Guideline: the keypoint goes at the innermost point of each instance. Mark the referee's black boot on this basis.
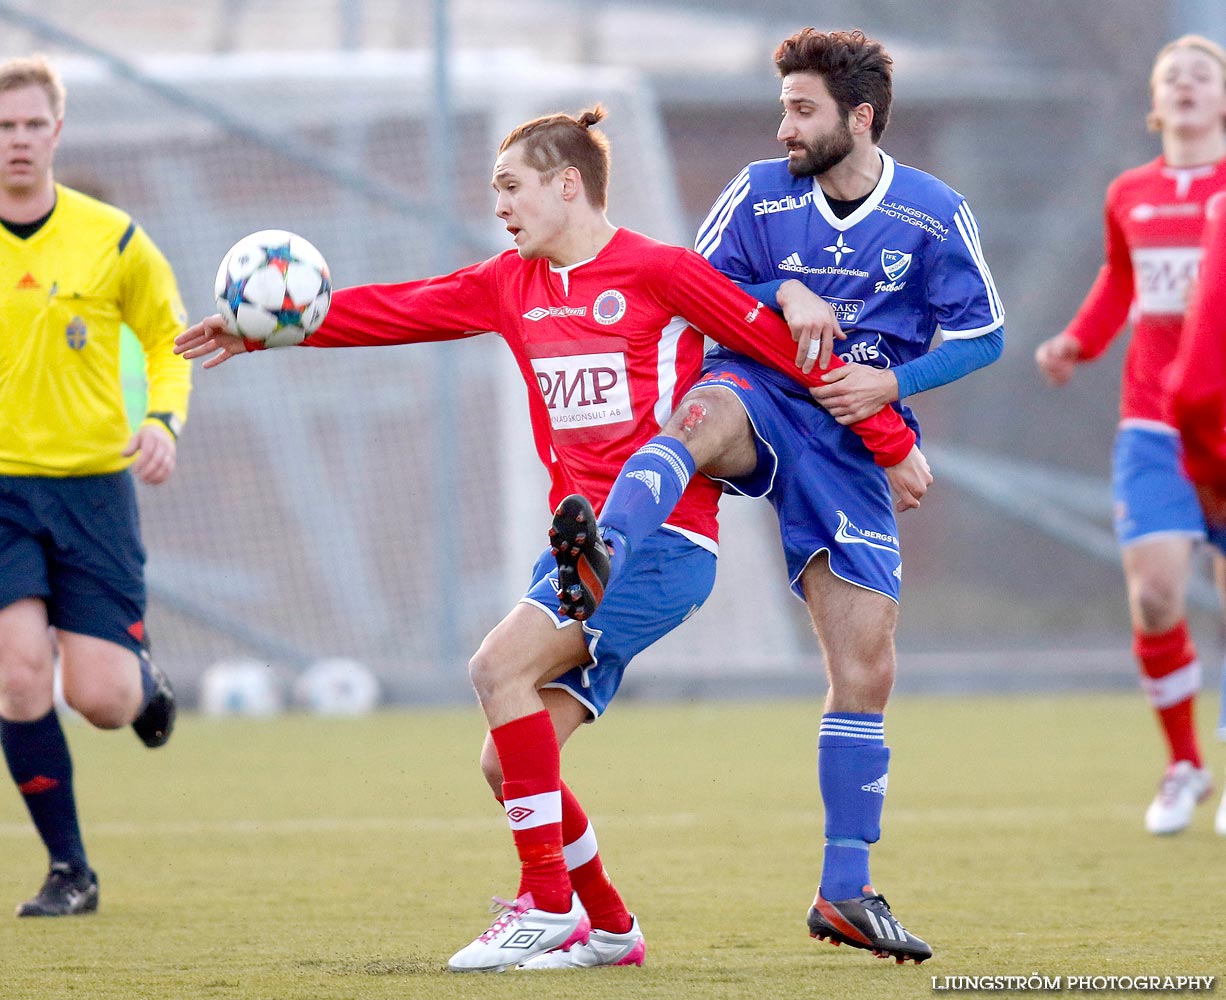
(156, 722)
(65, 892)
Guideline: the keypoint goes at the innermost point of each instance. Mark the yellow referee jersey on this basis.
(64, 294)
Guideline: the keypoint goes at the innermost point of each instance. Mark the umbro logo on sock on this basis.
(649, 478)
(877, 786)
(517, 814)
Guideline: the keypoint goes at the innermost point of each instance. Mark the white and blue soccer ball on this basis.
(273, 286)
(337, 686)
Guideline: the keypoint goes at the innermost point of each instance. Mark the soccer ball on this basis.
(273, 286)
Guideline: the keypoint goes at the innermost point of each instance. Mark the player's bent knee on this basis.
(24, 702)
(715, 428)
(102, 680)
(1158, 604)
(491, 767)
(492, 673)
(105, 715)
(26, 683)
(479, 671)
(106, 706)
(861, 685)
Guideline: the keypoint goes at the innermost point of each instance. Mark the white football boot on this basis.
(1219, 821)
(521, 932)
(602, 948)
(1183, 787)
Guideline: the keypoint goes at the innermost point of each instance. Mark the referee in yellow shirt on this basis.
(73, 270)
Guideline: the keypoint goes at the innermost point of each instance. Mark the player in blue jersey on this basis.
(850, 246)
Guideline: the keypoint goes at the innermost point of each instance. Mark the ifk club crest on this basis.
(76, 333)
(609, 307)
(895, 263)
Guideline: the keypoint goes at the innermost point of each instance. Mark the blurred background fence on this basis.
(386, 505)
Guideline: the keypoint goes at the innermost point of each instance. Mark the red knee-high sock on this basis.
(531, 794)
(596, 891)
(1170, 676)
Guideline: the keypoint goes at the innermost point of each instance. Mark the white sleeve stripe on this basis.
(969, 229)
(711, 233)
(666, 368)
(970, 236)
(729, 191)
(965, 211)
(712, 230)
(964, 214)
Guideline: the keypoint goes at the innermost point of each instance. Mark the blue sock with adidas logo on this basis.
(852, 768)
(644, 495)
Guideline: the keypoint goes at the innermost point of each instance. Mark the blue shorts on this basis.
(665, 581)
(1153, 495)
(75, 543)
(829, 494)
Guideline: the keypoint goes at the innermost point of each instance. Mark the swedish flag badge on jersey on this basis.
(76, 333)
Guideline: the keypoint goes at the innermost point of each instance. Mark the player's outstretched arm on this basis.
(209, 337)
(1057, 357)
(909, 480)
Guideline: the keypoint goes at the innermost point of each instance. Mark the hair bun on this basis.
(592, 117)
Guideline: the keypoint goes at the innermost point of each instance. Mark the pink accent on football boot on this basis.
(601, 948)
(520, 933)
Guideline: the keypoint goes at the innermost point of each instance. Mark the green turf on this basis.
(307, 858)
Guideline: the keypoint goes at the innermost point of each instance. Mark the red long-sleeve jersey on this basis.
(1196, 381)
(607, 348)
(1154, 219)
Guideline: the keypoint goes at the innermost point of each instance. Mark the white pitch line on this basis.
(325, 824)
(1009, 817)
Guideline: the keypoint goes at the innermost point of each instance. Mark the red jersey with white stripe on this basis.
(607, 348)
(1155, 216)
(1196, 381)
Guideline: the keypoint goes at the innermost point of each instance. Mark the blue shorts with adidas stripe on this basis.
(665, 581)
(829, 494)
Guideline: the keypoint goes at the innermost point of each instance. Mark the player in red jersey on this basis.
(1196, 381)
(1155, 215)
(607, 328)
(1196, 400)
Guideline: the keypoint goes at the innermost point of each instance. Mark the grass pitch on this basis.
(305, 858)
